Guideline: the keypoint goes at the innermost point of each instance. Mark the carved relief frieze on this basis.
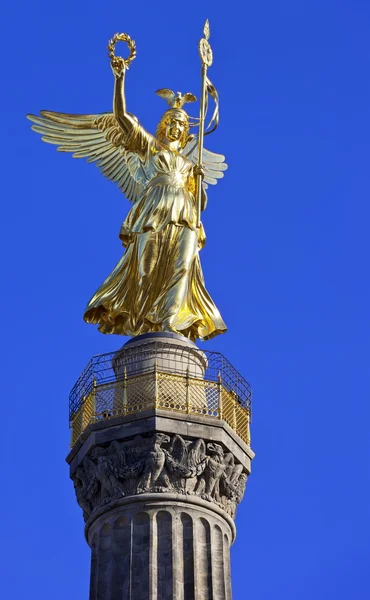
(159, 463)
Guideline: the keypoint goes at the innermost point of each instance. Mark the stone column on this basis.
(160, 549)
(159, 491)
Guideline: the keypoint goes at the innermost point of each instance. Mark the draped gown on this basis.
(158, 284)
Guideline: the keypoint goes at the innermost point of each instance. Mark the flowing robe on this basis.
(158, 284)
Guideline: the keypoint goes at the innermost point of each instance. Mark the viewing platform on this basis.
(151, 374)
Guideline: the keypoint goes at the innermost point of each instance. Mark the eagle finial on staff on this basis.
(175, 100)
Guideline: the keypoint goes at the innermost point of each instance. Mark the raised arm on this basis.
(125, 120)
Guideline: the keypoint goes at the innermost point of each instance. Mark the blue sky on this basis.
(286, 261)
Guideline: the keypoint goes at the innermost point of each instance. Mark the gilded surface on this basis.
(158, 284)
(173, 393)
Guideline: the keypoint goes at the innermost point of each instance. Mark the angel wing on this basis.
(99, 139)
(116, 453)
(90, 468)
(81, 475)
(91, 478)
(177, 449)
(197, 453)
(214, 164)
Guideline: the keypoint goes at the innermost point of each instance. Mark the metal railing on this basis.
(125, 382)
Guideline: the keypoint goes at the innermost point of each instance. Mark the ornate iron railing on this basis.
(125, 382)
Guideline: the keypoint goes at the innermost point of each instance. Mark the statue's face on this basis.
(175, 129)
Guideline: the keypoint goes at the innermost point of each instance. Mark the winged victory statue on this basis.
(158, 283)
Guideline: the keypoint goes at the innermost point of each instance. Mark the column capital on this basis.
(198, 470)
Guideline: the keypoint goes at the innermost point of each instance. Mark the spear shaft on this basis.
(205, 52)
(200, 140)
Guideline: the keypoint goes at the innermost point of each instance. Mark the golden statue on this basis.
(158, 284)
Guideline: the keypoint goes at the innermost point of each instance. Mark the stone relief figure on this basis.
(153, 475)
(81, 485)
(127, 463)
(240, 488)
(186, 461)
(209, 483)
(232, 471)
(92, 489)
(159, 463)
(231, 482)
(104, 472)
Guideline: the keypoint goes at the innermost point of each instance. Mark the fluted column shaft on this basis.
(160, 550)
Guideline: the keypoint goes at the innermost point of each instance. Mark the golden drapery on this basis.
(158, 283)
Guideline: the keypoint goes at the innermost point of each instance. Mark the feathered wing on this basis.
(99, 139)
(167, 95)
(189, 97)
(214, 164)
(197, 458)
(91, 478)
(184, 462)
(178, 449)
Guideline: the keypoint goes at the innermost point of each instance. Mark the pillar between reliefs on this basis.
(159, 549)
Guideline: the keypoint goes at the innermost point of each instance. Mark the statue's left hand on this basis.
(199, 170)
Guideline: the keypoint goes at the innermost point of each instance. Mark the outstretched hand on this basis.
(118, 66)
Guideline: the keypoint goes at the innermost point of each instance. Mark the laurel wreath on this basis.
(122, 37)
